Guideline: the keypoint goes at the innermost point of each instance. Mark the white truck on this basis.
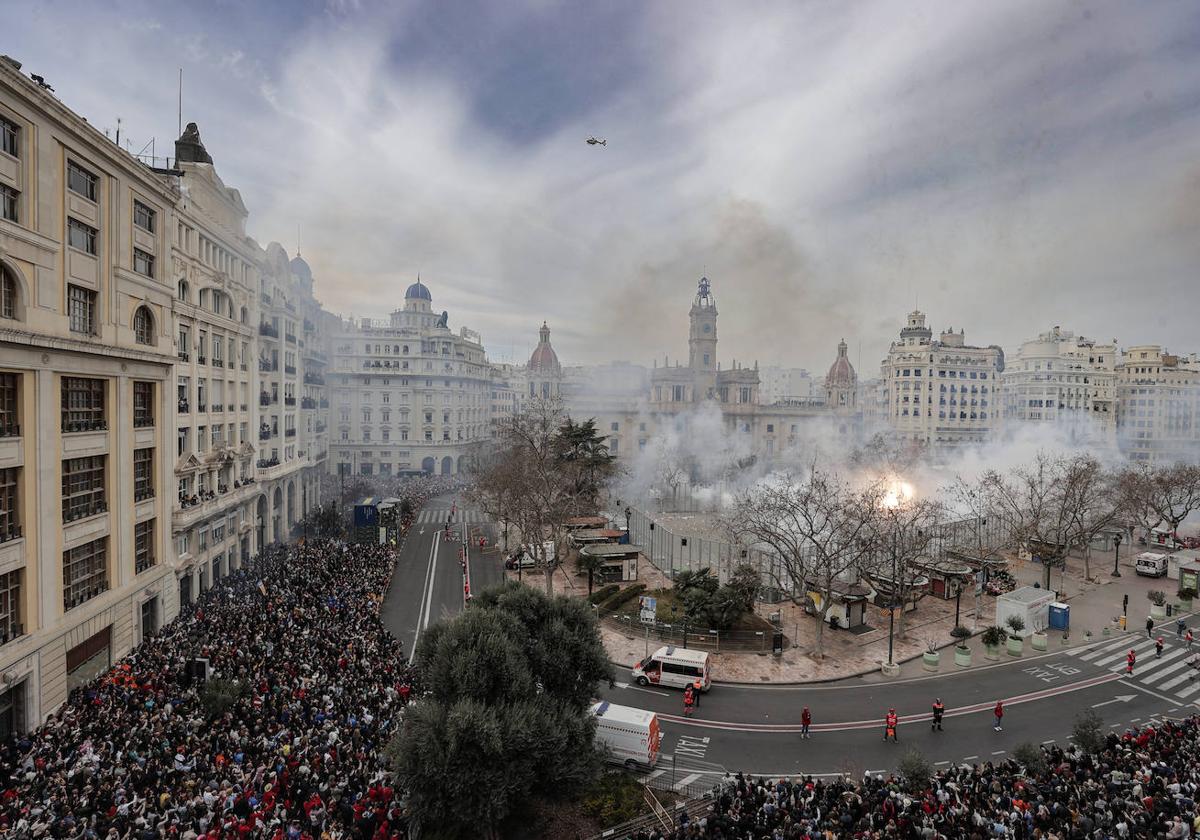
(630, 737)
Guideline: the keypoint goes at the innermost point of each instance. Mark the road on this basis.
(427, 585)
(756, 728)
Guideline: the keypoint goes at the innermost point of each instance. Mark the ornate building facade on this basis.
(409, 394)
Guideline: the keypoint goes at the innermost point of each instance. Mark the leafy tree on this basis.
(591, 564)
(218, 695)
(1031, 757)
(915, 769)
(1088, 731)
(506, 720)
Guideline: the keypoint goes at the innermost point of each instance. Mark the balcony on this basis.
(315, 355)
(10, 531)
(9, 632)
(265, 298)
(83, 511)
(289, 338)
(267, 463)
(308, 326)
(308, 402)
(313, 378)
(268, 330)
(202, 407)
(94, 425)
(245, 407)
(140, 495)
(324, 403)
(267, 399)
(289, 400)
(218, 362)
(203, 360)
(267, 366)
(230, 407)
(265, 434)
(9, 429)
(319, 427)
(143, 422)
(290, 433)
(243, 366)
(184, 357)
(289, 369)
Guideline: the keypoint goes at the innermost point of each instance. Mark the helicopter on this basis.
(594, 141)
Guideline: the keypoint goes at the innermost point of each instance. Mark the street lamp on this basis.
(1117, 556)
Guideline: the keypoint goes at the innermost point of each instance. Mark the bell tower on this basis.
(702, 341)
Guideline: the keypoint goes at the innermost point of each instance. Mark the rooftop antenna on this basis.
(118, 131)
(179, 132)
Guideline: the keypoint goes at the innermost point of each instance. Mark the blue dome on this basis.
(418, 290)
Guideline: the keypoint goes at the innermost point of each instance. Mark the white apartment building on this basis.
(86, 401)
(779, 384)
(941, 393)
(1063, 379)
(1158, 405)
(408, 395)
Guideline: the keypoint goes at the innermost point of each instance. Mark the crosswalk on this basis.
(1172, 673)
(431, 516)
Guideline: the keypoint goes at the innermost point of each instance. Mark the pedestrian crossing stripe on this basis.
(1121, 654)
(1157, 672)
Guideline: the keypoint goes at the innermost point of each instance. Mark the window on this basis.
(80, 181)
(10, 607)
(81, 236)
(143, 474)
(149, 617)
(143, 546)
(143, 404)
(143, 216)
(83, 405)
(8, 203)
(10, 516)
(85, 573)
(8, 294)
(81, 307)
(83, 487)
(143, 263)
(10, 135)
(614, 426)
(143, 326)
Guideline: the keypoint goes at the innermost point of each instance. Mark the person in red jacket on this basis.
(805, 722)
(1130, 659)
(891, 726)
(999, 713)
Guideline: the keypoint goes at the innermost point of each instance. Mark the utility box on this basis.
(1059, 616)
(1031, 603)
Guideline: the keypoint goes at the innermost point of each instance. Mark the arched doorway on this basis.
(261, 514)
(447, 465)
(291, 503)
(461, 460)
(428, 465)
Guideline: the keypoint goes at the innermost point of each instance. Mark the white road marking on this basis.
(639, 688)
(427, 607)
(970, 757)
(655, 774)
(1051, 741)
(686, 780)
(998, 752)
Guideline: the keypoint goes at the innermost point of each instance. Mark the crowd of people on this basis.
(296, 753)
(1144, 783)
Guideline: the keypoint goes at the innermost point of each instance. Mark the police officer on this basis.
(939, 709)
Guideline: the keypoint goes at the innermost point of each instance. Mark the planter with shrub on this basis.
(992, 638)
(932, 657)
(623, 597)
(1158, 604)
(1186, 595)
(1038, 639)
(603, 594)
(962, 653)
(1016, 643)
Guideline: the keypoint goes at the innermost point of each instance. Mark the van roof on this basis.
(622, 714)
(681, 654)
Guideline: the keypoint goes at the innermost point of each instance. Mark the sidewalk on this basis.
(1095, 604)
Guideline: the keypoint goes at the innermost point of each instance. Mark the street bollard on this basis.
(762, 639)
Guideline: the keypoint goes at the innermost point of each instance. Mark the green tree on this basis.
(506, 721)
(591, 564)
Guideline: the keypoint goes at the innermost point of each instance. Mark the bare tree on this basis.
(820, 530)
(974, 503)
(1094, 501)
(1038, 508)
(1160, 495)
(903, 535)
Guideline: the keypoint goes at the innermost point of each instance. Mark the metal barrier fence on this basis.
(742, 641)
(672, 552)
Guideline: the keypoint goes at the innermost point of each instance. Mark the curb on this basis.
(932, 675)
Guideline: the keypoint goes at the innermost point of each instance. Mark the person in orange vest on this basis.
(999, 713)
(1158, 646)
(697, 687)
(1130, 658)
(689, 700)
(891, 726)
(805, 722)
(939, 709)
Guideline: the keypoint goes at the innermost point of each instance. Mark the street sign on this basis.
(648, 609)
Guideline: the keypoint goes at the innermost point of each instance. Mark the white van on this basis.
(1150, 564)
(631, 737)
(672, 666)
(524, 556)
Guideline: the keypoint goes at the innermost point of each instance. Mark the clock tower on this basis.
(702, 341)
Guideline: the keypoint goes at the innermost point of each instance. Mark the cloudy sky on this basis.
(1008, 166)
